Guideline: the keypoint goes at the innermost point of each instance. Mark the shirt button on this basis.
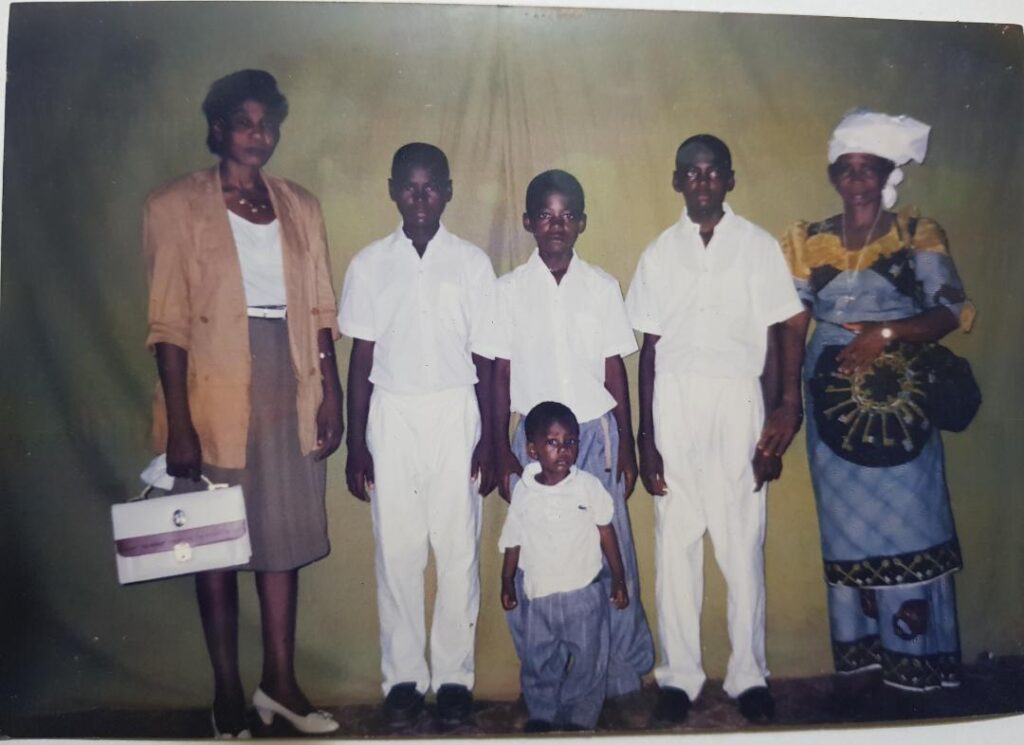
(204, 319)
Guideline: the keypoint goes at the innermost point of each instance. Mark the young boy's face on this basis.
(556, 225)
(420, 196)
(703, 183)
(555, 450)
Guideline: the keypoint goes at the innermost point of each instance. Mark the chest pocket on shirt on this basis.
(451, 310)
(586, 336)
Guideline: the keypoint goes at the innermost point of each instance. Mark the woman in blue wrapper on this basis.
(871, 278)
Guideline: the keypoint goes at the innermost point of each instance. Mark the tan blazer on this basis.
(197, 302)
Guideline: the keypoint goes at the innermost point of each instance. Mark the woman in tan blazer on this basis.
(242, 323)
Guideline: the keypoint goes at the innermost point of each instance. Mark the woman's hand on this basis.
(359, 471)
(506, 463)
(329, 427)
(184, 454)
(627, 469)
(864, 349)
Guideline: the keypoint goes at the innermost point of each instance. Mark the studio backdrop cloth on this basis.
(103, 105)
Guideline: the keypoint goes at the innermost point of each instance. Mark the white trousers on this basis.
(706, 430)
(422, 447)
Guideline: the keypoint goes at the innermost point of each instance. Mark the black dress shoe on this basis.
(673, 706)
(537, 725)
(757, 705)
(402, 705)
(454, 704)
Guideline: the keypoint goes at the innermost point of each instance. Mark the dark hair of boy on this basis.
(227, 94)
(707, 142)
(546, 413)
(421, 155)
(561, 182)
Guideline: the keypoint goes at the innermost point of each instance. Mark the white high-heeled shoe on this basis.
(315, 723)
(218, 735)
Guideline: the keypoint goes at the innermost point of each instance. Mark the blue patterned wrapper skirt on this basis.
(889, 548)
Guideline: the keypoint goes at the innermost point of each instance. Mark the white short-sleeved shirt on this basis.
(558, 335)
(259, 255)
(426, 316)
(556, 530)
(712, 305)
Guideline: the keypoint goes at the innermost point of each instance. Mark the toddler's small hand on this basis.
(508, 595)
(620, 596)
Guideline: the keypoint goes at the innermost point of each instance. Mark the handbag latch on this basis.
(182, 552)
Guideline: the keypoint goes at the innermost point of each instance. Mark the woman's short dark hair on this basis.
(228, 93)
(546, 413)
(554, 182)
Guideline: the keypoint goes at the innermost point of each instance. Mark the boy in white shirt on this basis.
(705, 294)
(558, 526)
(560, 334)
(419, 445)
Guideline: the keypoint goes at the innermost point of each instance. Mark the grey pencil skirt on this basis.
(284, 489)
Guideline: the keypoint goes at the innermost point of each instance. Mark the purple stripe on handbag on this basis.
(157, 542)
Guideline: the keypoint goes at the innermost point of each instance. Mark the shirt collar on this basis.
(536, 264)
(694, 228)
(533, 468)
(402, 241)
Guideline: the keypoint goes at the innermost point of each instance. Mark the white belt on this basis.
(268, 311)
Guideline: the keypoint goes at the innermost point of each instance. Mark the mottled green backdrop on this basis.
(103, 104)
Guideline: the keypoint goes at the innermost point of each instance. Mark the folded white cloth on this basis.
(900, 139)
(155, 474)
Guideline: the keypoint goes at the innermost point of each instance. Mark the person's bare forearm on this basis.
(646, 388)
(328, 366)
(928, 325)
(510, 564)
(617, 384)
(484, 392)
(359, 391)
(792, 338)
(610, 549)
(771, 375)
(183, 449)
(172, 365)
(501, 403)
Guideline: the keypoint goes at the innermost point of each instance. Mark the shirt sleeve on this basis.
(641, 299)
(325, 299)
(355, 312)
(779, 299)
(618, 334)
(600, 502)
(485, 316)
(937, 277)
(793, 241)
(481, 305)
(165, 246)
(512, 531)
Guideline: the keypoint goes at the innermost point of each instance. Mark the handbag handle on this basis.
(210, 486)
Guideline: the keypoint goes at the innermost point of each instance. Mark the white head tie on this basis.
(900, 139)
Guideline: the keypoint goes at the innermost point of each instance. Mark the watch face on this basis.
(886, 332)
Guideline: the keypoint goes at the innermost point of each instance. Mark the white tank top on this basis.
(259, 253)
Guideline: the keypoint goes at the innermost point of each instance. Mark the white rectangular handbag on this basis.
(180, 533)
